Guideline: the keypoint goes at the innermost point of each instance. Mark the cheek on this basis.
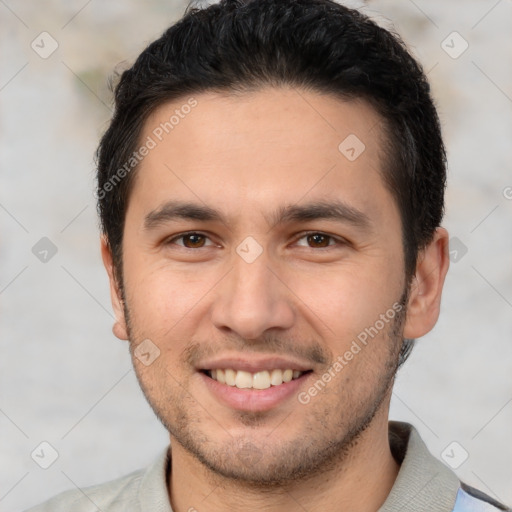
(344, 302)
(161, 295)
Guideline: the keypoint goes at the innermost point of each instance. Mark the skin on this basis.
(247, 155)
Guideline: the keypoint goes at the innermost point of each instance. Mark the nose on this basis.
(252, 299)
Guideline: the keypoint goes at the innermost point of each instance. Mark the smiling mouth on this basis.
(258, 380)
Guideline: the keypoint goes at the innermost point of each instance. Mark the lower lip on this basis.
(254, 400)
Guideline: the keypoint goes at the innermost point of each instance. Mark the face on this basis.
(258, 250)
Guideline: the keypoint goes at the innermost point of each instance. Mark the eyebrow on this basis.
(329, 210)
(180, 210)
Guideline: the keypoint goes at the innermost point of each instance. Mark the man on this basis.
(271, 189)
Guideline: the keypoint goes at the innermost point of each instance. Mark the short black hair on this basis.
(315, 45)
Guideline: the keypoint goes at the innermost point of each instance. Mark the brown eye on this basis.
(193, 240)
(318, 240)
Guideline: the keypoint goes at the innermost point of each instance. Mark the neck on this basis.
(362, 481)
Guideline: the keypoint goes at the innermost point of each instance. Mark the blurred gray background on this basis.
(67, 381)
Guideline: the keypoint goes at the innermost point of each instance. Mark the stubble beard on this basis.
(327, 442)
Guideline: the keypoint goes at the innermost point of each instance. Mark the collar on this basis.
(423, 484)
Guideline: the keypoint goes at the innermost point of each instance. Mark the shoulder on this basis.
(113, 496)
(473, 500)
(424, 483)
(145, 488)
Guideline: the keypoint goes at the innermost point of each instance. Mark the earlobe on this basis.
(119, 328)
(427, 286)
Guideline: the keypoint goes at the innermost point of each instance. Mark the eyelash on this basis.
(337, 241)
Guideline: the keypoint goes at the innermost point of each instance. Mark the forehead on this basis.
(265, 147)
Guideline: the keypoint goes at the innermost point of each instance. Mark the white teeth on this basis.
(220, 376)
(230, 377)
(259, 380)
(243, 380)
(287, 375)
(276, 377)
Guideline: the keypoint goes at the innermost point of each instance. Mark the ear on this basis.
(119, 329)
(426, 286)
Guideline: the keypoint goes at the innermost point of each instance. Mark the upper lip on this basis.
(253, 364)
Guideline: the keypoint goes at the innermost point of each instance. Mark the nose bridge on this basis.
(252, 279)
(251, 299)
